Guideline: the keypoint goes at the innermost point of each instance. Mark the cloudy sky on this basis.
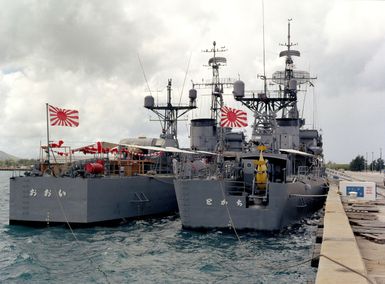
(84, 55)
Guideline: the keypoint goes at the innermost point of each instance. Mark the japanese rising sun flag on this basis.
(231, 117)
(63, 117)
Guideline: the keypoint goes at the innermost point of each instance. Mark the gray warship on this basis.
(275, 180)
(104, 190)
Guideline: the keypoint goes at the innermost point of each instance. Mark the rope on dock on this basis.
(282, 268)
(348, 268)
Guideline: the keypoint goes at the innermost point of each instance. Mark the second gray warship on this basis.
(137, 183)
(274, 181)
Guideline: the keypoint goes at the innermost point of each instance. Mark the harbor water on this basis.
(150, 251)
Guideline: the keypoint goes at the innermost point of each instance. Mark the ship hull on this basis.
(89, 201)
(205, 204)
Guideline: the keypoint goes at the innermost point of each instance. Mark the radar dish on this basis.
(302, 77)
(216, 60)
(289, 53)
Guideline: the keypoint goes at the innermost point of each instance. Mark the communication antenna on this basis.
(144, 73)
(185, 76)
(264, 48)
(303, 107)
(314, 107)
(289, 43)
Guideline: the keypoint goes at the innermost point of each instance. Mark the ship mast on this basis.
(266, 104)
(217, 84)
(289, 91)
(169, 114)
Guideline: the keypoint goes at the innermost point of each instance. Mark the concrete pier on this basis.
(349, 258)
(339, 244)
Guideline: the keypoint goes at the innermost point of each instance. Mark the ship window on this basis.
(248, 165)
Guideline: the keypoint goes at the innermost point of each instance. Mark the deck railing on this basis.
(304, 171)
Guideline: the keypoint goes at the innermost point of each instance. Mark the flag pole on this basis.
(47, 136)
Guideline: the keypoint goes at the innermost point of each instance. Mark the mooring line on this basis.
(274, 268)
(348, 268)
(228, 212)
(77, 241)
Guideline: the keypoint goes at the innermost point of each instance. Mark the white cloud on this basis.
(354, 24)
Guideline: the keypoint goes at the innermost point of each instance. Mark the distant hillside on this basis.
(4, 156)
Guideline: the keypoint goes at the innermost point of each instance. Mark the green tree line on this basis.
(359, 164)
(17, 163)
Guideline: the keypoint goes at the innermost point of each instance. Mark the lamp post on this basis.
(366, 162)
(372, 161)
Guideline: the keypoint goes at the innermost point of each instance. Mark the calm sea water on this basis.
(151, 251)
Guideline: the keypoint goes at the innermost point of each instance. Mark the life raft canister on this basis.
(94, 168)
